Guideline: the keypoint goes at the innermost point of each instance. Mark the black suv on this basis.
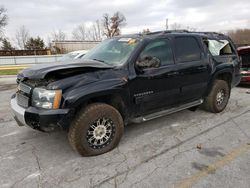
(131, 78)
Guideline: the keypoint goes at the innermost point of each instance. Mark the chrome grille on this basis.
(22, 100)
(24, 88)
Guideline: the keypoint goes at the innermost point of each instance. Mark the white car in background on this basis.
(73, 55)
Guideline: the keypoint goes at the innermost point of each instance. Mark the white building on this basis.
(69, 46)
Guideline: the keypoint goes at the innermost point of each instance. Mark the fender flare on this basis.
(215, 75)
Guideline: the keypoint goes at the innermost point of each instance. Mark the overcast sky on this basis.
(42, 17)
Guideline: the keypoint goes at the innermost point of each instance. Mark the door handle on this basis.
(173, 73)
(202, 67)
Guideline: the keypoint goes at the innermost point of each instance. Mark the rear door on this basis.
(193, 67)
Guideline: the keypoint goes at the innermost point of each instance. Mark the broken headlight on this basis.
(48, 99)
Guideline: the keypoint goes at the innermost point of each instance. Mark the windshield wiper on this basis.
(99, 60)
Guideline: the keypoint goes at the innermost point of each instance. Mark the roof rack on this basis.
(177, 31)
(167, 31)
(184, 31)
(208, 33)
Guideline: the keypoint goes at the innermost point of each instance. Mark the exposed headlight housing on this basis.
(48, 99)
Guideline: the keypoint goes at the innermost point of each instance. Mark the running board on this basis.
(166, 112)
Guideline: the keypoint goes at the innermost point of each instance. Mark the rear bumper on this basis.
(41, 119)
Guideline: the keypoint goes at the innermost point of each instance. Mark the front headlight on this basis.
(49, 99)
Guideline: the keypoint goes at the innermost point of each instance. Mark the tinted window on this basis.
(161, 49)
(187, 49)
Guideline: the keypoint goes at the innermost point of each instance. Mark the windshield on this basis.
(113, 51)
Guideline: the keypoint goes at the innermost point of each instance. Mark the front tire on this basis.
(218, 97)
(97, 129)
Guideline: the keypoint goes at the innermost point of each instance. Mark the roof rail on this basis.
(208, 33)
(167, 31)
(184, 31)
(177, 31)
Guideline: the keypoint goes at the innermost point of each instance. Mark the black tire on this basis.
(213, 102)
(82, 134)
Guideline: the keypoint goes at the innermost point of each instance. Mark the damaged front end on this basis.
(39, 98)
(42, 115)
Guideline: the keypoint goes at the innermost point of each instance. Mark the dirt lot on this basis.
(185, 149)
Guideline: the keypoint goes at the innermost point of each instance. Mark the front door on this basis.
(155, 87)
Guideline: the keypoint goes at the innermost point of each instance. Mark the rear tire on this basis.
(97, 129)
(218, 97)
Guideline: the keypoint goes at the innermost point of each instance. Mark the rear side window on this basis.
(187, 49)
(220, 47)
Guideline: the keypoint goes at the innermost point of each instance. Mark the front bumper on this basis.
(41, 119)
(18, 112)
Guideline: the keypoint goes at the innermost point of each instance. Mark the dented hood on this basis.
(41, 71)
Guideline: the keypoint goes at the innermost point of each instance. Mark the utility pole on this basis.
(166, 23)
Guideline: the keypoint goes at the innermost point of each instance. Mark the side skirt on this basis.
(166, 112)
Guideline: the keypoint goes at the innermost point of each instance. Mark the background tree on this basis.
(112, 25)
(6, 45)
(240, 36)
(96, 31)
(34, 44)
(177, 26)
(145, 31)
(3, 20)
(22, 36)
(58, 35)
(82, 32)
(79, 33)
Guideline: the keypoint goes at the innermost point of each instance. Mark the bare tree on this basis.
(106, 25)
(112, 25)
(82, 32)
(189, 28)
(96, 31)
(176, 26)
(22, 36)
(3, 20)
(240, 36)
(48, 42)
(79, 33)
(58, 35)
(145, 31)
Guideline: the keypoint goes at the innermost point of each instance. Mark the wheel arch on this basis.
(116, 98)
(225, 75)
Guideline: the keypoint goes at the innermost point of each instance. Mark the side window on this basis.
(187, 49)
(161, 49)
(220, 47)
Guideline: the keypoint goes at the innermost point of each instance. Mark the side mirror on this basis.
(148, 62)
